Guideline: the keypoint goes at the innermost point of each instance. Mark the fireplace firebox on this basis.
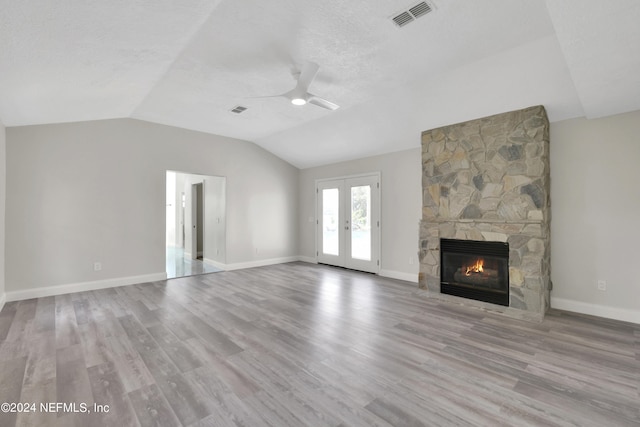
(475, 270)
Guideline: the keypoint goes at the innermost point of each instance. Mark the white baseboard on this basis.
(399, 275)
(609, 312)
(215, 263)
(258, 263)
(3, 299)
(48, 291)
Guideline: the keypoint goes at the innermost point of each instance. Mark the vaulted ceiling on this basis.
(188, 63)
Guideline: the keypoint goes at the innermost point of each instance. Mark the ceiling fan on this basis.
(300, 95)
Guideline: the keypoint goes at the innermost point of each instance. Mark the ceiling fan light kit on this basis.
(300, 95)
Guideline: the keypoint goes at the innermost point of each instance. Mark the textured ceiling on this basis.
(187, 63)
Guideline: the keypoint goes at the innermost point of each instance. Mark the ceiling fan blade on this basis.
(268, 96)
(321, 102)
(287, 95)
(307, 75)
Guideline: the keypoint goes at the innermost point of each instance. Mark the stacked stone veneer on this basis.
(488, 180)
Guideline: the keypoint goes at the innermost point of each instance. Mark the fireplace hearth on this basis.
(475, 269)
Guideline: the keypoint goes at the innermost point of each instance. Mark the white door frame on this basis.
(376, 224)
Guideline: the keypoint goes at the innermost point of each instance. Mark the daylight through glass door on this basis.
(348, 222)
(361, 222)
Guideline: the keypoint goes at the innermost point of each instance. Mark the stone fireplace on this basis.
(487, 180)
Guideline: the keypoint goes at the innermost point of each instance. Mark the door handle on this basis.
(346, 228)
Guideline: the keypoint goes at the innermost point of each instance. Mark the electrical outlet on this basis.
(602, 285)
(97, 266)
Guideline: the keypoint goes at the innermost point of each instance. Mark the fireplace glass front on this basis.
(475, 270)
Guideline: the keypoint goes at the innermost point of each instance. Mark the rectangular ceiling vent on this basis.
(420, 9)
(403, 19)
(412, 14)
(238, 109)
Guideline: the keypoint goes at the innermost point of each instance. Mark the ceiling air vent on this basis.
(420, 9)
(403, 19)
(238, 109)
(412, 14)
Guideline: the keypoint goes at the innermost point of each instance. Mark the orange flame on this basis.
(476, 268)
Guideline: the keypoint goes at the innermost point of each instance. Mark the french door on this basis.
(348, 222)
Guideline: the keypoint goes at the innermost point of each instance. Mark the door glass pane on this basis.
(361, 222)
(330, 221)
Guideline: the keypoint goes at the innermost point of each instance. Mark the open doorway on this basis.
(196, 224)
(197, 221)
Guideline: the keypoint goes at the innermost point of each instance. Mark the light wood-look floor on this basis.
(305, 345)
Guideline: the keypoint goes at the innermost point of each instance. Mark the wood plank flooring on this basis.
(306, 345)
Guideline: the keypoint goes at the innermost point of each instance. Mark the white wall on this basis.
(172, 209)
(180, 177)
(3, 180)
(400, 198)
(215, 219)
(95, 191)
(595, 206)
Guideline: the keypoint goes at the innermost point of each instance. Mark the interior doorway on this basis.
(196, 224)
(348, 222)
(197, 221)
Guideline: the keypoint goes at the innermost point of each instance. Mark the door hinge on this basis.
(378, 223)
(317, 191)
(378, 262)
(378, 184)
(317, 253)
